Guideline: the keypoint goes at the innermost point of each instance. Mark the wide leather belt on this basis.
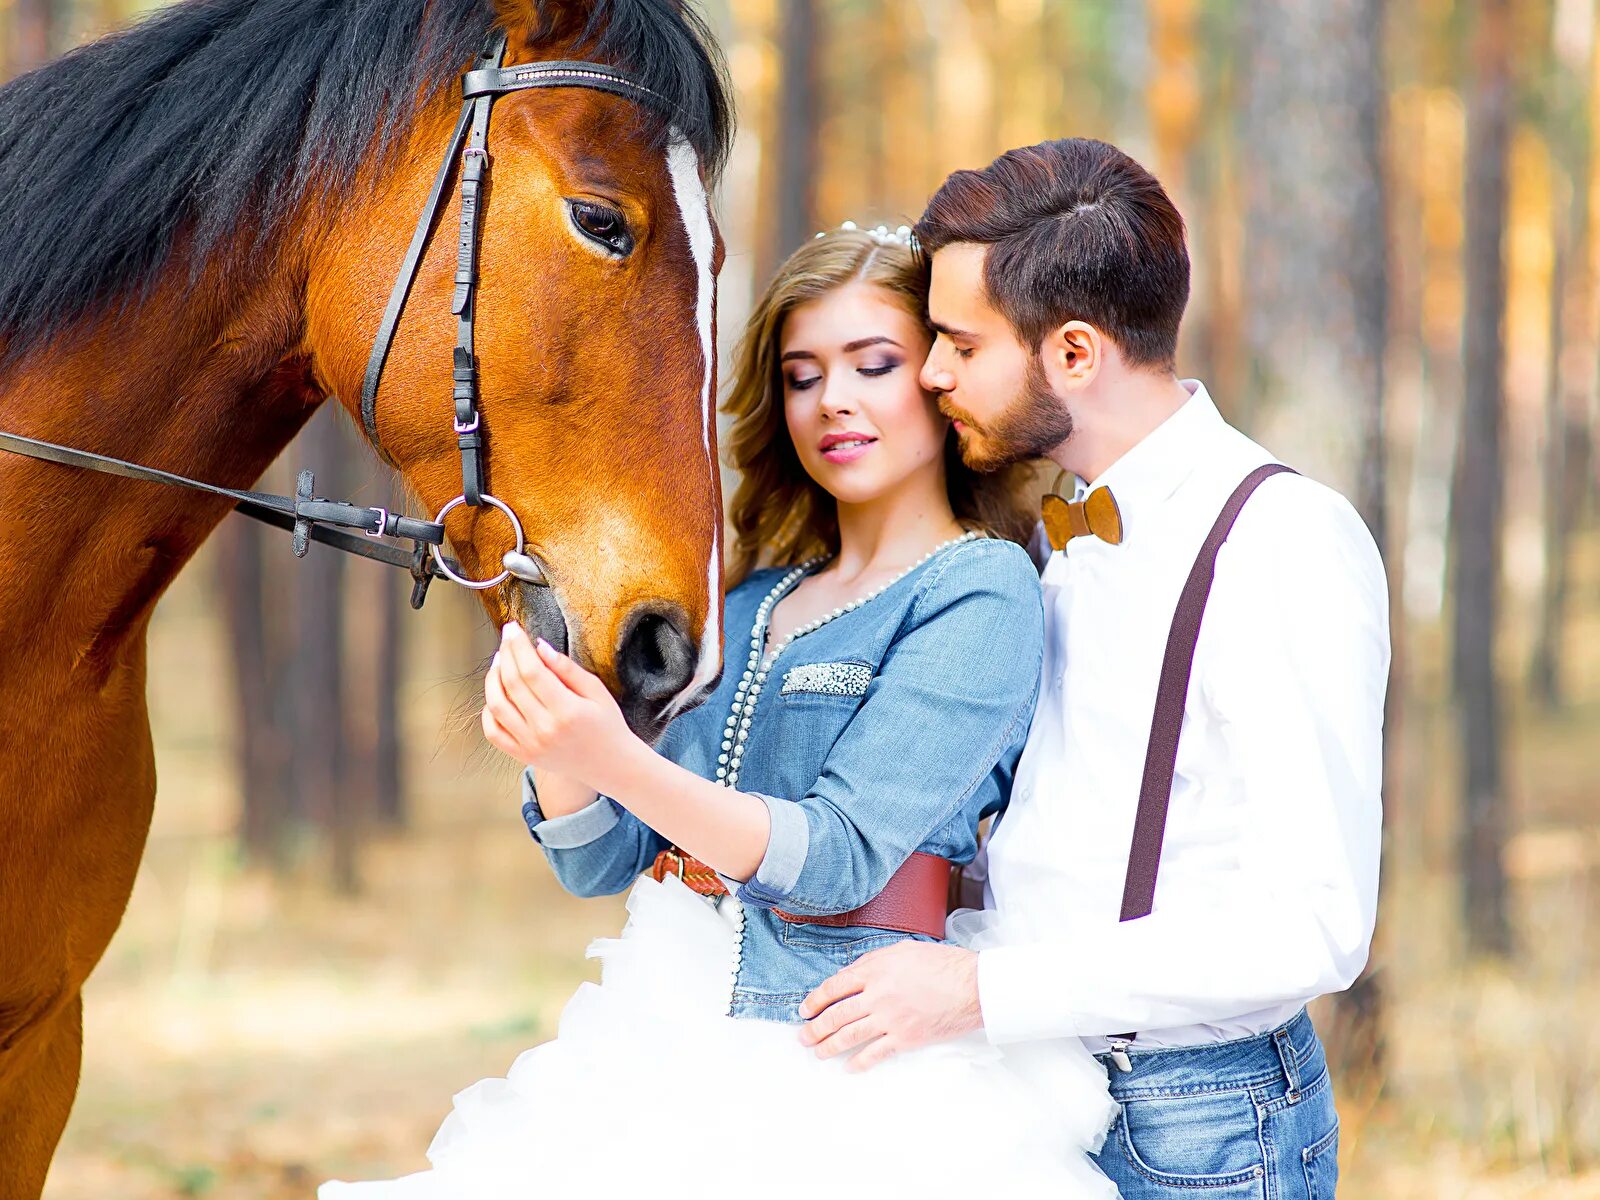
(915, 900)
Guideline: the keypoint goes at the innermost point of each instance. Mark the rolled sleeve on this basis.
(787, 843)
(568, 832)
(588, 824)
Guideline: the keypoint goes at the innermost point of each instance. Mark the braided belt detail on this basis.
(915, 900)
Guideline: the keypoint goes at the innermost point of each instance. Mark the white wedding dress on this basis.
(650, 1090)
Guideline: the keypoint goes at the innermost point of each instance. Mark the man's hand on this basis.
(903, 996)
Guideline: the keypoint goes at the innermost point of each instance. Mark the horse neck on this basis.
(193, 381)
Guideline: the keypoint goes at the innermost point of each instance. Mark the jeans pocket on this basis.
(1321, 1160)
(841, 943)
(1210, 1142)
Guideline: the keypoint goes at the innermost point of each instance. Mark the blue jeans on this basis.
(1252, 1119)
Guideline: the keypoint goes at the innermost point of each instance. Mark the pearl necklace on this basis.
(736, 732)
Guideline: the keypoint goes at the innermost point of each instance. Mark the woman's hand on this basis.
(545, 710)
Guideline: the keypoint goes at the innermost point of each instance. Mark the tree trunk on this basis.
(1315, 290)
(1315, 294)
(317, 667)
(259, 750)
(799, 114)
(389, 779)
(1567, 449)
(1172, 93)
(1476, 508)
(33, 33)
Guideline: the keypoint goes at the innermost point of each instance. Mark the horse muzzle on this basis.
(655, 657)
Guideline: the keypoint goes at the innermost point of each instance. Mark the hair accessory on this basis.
(882, 234)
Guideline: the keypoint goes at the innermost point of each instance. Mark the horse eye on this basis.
(602, 225)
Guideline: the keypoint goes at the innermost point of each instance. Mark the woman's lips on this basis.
(848, 451)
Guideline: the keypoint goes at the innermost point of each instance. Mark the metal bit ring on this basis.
(475, 584)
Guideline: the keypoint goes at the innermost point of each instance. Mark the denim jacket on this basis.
(891, 728)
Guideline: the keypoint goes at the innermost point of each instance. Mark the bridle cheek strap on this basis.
(469, 143)
(402, 288)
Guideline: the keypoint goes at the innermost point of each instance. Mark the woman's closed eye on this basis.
(874, 370)
(799, 383)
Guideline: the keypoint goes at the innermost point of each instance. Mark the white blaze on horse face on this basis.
(683, 165)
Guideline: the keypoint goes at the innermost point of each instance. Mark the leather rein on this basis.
(331, 522)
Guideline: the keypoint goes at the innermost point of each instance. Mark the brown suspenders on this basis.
(1161, 758)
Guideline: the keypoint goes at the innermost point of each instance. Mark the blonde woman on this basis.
(884, 636)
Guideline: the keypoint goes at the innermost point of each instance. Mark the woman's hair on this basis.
(779, 514)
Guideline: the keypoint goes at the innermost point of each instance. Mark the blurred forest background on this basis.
(1393, 212)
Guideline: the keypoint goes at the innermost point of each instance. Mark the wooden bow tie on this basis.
(1096, 514)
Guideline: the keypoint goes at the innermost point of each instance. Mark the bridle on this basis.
(311, 518)
(479, 88)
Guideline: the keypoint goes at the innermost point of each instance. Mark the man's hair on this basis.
(1077, 231)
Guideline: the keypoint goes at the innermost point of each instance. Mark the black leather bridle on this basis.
(311, 518)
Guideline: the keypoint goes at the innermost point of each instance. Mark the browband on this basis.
(492, 81)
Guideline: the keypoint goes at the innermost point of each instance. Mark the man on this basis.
(1059, 278)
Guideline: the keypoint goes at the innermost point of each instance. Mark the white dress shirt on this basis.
(1267, 891)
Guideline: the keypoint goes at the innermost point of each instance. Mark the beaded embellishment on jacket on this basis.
(828, 679)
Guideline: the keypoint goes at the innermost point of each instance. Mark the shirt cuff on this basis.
(788, 840)
(588, 824)
(1019, 996)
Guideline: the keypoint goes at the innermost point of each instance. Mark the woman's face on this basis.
(860, 421)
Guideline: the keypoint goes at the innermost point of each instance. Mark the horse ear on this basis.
(543, 20)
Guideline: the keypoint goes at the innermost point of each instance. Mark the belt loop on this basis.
(1282, 1043)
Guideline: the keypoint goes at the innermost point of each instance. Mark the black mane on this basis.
(216, 116)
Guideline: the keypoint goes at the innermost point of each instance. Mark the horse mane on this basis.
(212, 120)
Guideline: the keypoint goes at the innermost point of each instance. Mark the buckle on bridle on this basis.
(383, 523)
(470, 427)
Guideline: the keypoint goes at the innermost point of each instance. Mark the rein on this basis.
(313, 519)
(307, 517)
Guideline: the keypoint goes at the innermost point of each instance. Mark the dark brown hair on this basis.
(1077, 231)
(778, 513)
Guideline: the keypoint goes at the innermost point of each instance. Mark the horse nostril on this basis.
(656, 660)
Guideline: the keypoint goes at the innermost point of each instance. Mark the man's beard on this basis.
(1031, 426)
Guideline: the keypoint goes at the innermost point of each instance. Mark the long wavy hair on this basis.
(779, 514)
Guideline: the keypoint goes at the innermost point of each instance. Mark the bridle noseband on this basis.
(314, 519)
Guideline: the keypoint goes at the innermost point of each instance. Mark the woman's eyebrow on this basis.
(849, 347)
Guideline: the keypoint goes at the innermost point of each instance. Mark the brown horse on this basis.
(200, 220)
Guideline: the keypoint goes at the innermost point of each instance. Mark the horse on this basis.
(200, 220)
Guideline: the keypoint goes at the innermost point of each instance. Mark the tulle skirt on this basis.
(648, 1089)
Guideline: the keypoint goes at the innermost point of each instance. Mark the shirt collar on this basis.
(1153, 469)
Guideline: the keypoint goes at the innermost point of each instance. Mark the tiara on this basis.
(881, 234)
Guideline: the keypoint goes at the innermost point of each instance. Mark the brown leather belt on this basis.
(915, 899)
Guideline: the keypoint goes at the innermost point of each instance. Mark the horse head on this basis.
(595, 340)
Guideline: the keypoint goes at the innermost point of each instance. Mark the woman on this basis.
(883, 657)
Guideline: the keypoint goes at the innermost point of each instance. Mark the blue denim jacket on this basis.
(892, 728)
